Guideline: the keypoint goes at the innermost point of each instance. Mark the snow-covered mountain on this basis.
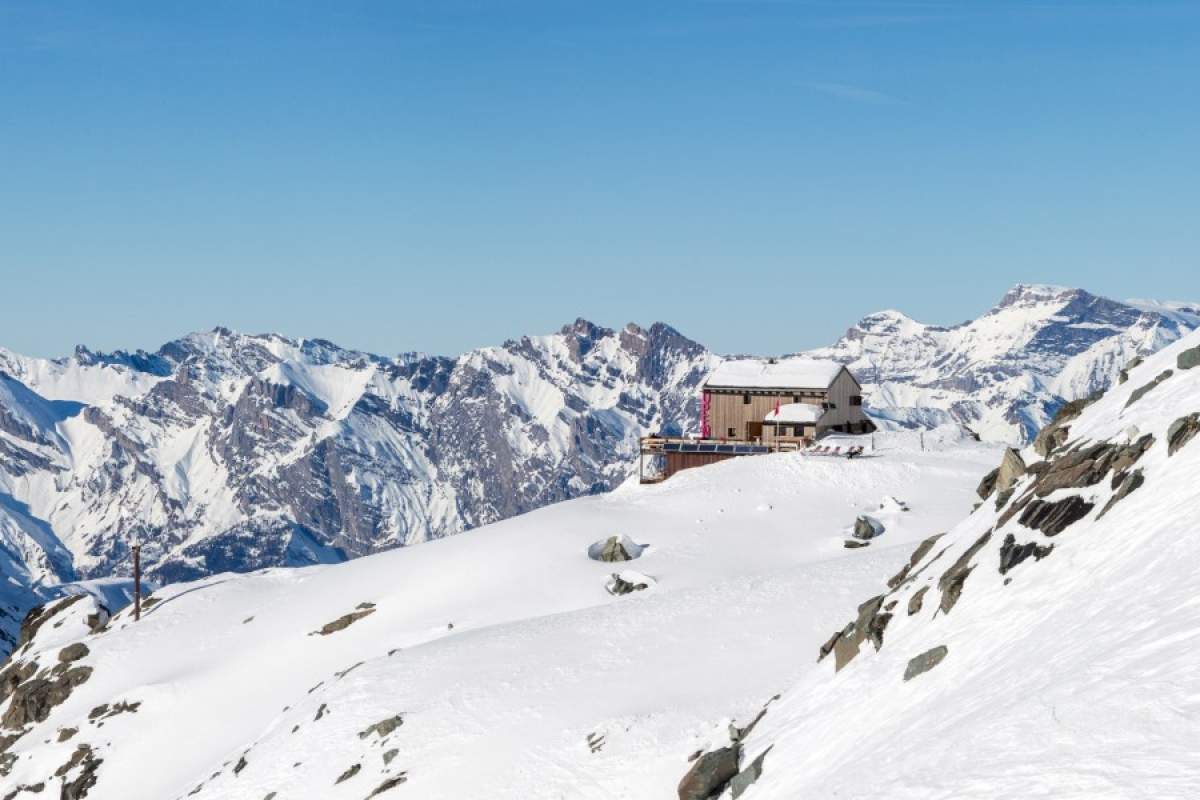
(229, 452)
(1007, 372)
(223, 451)
(787, 641)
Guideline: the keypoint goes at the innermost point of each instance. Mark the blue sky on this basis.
(447, 174)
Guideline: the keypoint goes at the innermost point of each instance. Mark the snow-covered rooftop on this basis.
(790, 373)
(795, 412)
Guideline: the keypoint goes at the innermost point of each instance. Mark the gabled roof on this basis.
(787, 373)
(795, 412)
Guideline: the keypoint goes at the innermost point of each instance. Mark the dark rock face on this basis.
(988, 484)
(951, 582)
(85, 761)
(854, 544)
(870, 624)
(33, 699)
(710, 773)
(1188, 358)
(1012, 554)
(925, 662)
(1053, 518)
(1142, 391)
(389, 783)
(1125, 484)
(1181, 432)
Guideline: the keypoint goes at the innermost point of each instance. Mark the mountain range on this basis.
(942, 617)
(222, 451)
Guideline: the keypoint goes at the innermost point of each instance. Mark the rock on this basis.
(1141, 391)
(743, 780)
(988, 484)
(345, 621)
(349, 773)
(925, 662)
(627, 582)
(869, 625)
(917, 600)
(383, 727)
(1053, 518)
(85, 760)
(1056, 433)
(710, 773)
(33, 700)
(1125, 484)
(1188, 358)
(922, 550)
(1012, 554)
(72, 652)
(390, 783)
(1124, 374)
(853, 544)
(615, 548)
(951, 582)
(1012, 467)
(866, 527)
(40, 615)
(1182, 431)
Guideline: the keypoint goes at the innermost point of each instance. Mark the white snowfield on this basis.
(1079, 679)
(514, 672)
(787, 373)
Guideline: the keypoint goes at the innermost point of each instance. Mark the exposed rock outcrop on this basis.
(1188, 358)
(1142, 391)
(1012, 554)
(710, 773)
(867, 527)
(951, 582)
(615, 549)
(870, 624)
(1181, 432)
(925, 662)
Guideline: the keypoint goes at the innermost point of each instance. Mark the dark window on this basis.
(856, 399)
(731, 433)
(746, 398)
(795, 398)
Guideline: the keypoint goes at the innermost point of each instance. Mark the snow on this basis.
(502, 648)
(788, 373)
(795, 412)
(1072, 677)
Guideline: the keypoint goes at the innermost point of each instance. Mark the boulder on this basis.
(868, 626)
(925, 662)
(710, 773)
(1012, 554)
(1181, 432)
(1012, 467)
(1056, 433)
(917, 600)
(1188, 358)
(854, 544)
(1124, 484)
(951, 582)
(628, 582)
(866, 527)
(614, 549)
(1053, 518)
(72, 652)
(1141, 391)
(33, 700)
(988, 484)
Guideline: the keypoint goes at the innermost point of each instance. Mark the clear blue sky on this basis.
(446, 174)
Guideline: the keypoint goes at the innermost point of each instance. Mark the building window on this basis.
(731, 433)
(795, 398)
(856, 399)
(746, 398)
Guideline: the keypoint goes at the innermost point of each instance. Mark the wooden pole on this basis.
(137, 582)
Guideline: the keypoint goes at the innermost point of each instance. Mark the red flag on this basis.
(776, 408)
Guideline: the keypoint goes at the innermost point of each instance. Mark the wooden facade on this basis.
(737, 414)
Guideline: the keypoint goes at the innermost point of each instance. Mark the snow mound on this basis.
(616, 548)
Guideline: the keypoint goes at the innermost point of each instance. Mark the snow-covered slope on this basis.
(1046, 646)
(1007, 372)
(222, 451)
(491, 664)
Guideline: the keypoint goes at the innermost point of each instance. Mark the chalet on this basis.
(752, 407)
(794, 398)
